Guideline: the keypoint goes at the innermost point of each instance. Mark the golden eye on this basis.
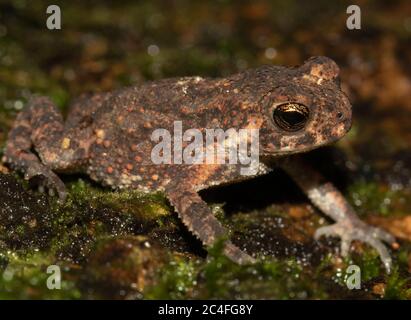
(290, 116)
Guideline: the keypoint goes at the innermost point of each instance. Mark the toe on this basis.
(385, 236)
(236, 254)
(360, 231)
(325, 231)
(48, 179)
(60, 188)
(345, 246)
(383, 253)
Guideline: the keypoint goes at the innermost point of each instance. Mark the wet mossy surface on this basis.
(127, 245)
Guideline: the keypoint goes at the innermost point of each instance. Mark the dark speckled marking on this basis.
(306, 140)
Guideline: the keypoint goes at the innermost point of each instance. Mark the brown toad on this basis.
(109, 137)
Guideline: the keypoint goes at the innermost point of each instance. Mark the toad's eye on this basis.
(290, 116)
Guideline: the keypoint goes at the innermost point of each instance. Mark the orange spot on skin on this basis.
(185, 110)
(110, 170)
(100, 134)
(138, 158)
(154, 177)
(65, 143)
(129, 166)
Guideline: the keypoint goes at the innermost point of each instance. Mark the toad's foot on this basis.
(349, 230)
(48, 179)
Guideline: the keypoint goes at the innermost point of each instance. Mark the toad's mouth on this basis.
(292, 148)
(308, 140)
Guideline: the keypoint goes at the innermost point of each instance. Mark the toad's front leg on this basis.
(330, 201)
(40, 126)
(199, 219)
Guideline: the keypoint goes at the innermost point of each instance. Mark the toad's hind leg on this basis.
(40, 126)
(199, 219)
(331, 202)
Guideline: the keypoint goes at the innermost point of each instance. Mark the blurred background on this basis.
(105, 45)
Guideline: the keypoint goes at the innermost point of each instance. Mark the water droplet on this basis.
(270, 53)
(153, 50)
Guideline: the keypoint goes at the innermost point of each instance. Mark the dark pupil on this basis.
(291, 116)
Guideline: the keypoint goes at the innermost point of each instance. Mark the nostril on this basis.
(340, 116)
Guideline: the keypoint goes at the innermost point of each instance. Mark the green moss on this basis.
(269, 278)
(370, 265)
(145, 206)
(397, 287)
(25, 277)
(373, 198)
(219, 278)
(176, 280)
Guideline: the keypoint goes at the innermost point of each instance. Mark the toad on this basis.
(109, 136)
